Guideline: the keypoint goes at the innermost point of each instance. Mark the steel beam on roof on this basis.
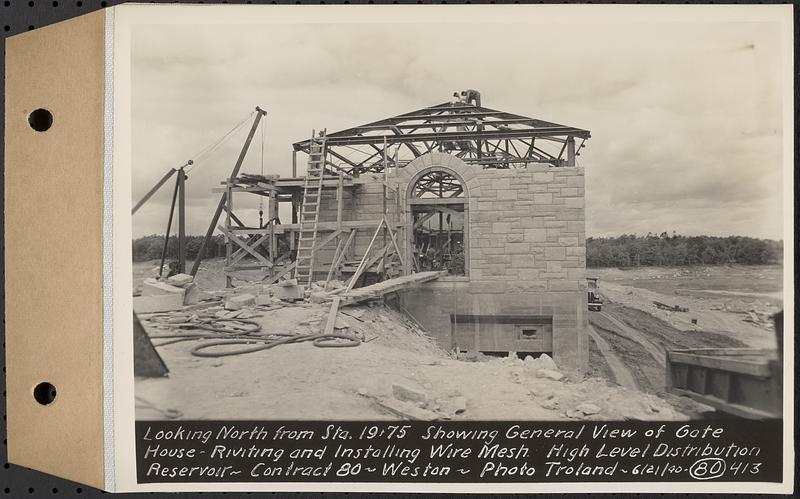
(460, 135)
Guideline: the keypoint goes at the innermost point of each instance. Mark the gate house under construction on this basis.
(492, 198)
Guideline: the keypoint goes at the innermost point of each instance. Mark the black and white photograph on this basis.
(474, 222)
(402, 248)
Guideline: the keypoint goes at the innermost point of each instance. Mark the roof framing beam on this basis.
(458, 135)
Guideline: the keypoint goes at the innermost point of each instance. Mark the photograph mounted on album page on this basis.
(403, 248)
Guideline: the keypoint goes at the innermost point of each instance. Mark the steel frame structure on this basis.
(476, 134)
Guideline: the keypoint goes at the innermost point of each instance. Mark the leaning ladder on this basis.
(309, 211)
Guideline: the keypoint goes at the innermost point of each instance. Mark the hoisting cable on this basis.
(261, 198)
(216, 145)
(191, 163)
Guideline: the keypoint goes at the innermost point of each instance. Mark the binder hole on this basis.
(40, 120)
(44, 393)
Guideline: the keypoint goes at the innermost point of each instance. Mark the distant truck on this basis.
(595, 301)
(744, 382)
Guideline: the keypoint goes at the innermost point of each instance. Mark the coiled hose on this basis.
(225, 336)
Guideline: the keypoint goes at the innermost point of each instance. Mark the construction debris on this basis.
(407, 394)
(157, 303)
(180, 280)
(154, 287)
(408, 410)
(549, 374)
(289, 291)
(192, 295)
(239, 302)
(672, 308)
(382, 288)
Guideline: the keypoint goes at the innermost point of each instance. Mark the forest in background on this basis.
(150, 247)
(666, 250)
(622, 251)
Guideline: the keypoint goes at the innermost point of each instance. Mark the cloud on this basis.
(685, 118)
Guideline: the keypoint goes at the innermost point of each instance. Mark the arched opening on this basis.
(438, 210)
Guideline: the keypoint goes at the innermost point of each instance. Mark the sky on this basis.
(686, 118)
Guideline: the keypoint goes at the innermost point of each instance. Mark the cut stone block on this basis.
(192, 295)
(239, 302)
(180, 280)
(153, 287)
(549, 374)
(588, 409)
(547, 362)
(289, 292)
(157, 303)
(263, 300)
(319, 297)
(407, 394)
(407, 410)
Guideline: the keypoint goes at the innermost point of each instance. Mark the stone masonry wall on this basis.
(526, 252)
(363, 202)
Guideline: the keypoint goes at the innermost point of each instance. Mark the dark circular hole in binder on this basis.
(40, 120)
(44, 393)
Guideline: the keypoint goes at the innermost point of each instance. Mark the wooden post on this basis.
(272, 214)
(339, 213)
(339, 201)
(360, 268)
(333, 263)
(228, 243)
(332, 313)
(181, 221)
(382, 268)
(260, 113)
(169, 229)
(294, 164)
(394, 241)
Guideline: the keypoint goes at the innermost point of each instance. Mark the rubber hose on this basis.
(318, 340)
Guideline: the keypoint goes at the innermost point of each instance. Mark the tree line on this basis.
(630, 250)
(150, 247)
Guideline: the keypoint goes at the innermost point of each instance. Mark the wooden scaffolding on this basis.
(273, 247)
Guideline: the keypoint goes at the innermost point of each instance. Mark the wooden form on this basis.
(745, 382)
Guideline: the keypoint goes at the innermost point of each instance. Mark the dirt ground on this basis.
(639, 333)
(399, 372)
(714, 306)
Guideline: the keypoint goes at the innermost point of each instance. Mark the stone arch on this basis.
(437, 238)
(412, 184)
(462, 170)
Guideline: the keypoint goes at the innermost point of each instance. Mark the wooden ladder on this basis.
(309, 211)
